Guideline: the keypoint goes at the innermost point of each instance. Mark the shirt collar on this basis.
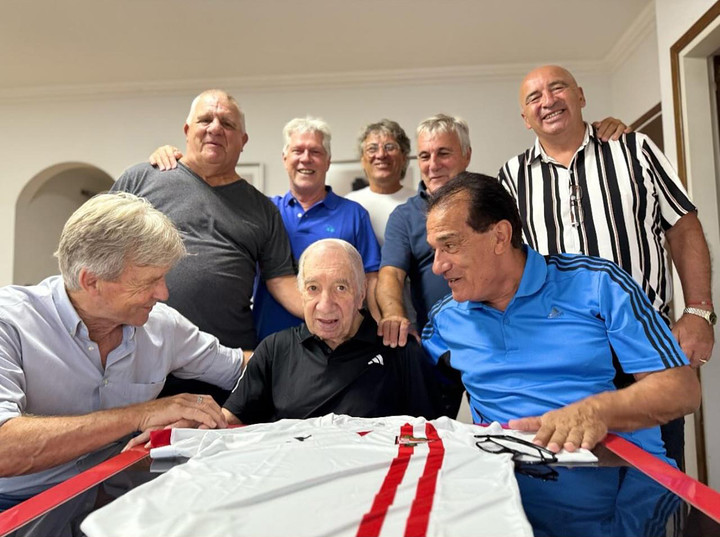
(422, 191)
(537, 150)
(366, 332)
(69, 316)
(330, 200)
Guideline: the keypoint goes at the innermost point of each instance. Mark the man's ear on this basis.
(89, 282)
(185, 128)
(527, 123)
(582, 97)
(503, 236)
(363, 293)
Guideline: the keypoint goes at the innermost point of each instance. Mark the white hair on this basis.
(353, 256)
(111, 231)
(302, 125)
(447, 124)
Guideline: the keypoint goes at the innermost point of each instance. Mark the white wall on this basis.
(635, 84)
(114, 133)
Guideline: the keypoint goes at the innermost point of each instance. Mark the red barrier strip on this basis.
(372, 521)
(419, 517)
(40, 504)
(692, 491)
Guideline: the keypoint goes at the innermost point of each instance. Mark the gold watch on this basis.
(709, 316)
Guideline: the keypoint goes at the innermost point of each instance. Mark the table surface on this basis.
(614, 497)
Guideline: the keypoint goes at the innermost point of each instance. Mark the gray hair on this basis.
(391, 128)
(302, 125)
(218, 93)
(444, 123)
(111, 231)
(353, 256)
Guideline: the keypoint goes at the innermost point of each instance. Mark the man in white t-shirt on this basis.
(384, 148)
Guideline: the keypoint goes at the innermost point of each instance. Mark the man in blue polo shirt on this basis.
(532, 337)
(312, 211)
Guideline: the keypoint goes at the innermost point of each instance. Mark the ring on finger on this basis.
(199, 399)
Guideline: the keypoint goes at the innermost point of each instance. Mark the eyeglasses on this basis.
(522, 451)
(373, 149)
(576, 212)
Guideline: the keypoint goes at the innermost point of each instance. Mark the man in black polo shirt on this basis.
(335, 362)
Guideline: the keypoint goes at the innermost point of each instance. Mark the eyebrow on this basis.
(445, 237)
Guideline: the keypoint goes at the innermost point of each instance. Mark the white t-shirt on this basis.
(380, 206)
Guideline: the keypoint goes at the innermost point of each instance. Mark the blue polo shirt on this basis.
(552, 345)
(406, 248)
(330, 218)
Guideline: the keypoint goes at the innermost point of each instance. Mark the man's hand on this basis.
(165, 157)
(571, 427)
(610, 128)
(144, 438)
(696, 338)
(395, 329)
(201, 409)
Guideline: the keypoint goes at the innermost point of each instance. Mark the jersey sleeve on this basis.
(396, 251)
(251, 399)
(640, 338)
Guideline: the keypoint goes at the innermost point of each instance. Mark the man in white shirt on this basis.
(84, 355)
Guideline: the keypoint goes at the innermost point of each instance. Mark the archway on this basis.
(41, 210)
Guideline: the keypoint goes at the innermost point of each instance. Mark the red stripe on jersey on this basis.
(372, 521)
(419, 517)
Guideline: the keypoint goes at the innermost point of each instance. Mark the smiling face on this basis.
(306, 162)
(130, 298)
(383, 162)
(214, 133)
(551, 102)
(464, 257)
(440, 158)
(332, 296)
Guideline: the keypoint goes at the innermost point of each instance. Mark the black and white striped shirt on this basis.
(615, 200)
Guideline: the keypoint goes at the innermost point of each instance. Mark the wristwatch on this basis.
(709, 316)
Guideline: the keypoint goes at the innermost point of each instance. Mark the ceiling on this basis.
(50, 43)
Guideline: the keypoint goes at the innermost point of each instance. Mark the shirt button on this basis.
(91, 348)
(299, 215)
(506, 321)
(105, 382)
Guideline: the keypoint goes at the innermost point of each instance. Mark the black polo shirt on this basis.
(294, 374)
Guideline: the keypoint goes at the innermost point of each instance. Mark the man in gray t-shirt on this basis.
(229, 227)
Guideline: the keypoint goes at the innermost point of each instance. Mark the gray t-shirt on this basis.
(228, 230)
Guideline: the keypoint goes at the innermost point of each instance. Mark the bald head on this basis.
(554, 72)
(551, 102)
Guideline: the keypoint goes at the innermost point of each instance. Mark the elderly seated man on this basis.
(334, 361)
(533, 336)
(84, 355)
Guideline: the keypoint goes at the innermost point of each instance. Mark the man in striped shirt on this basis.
(620, 200)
